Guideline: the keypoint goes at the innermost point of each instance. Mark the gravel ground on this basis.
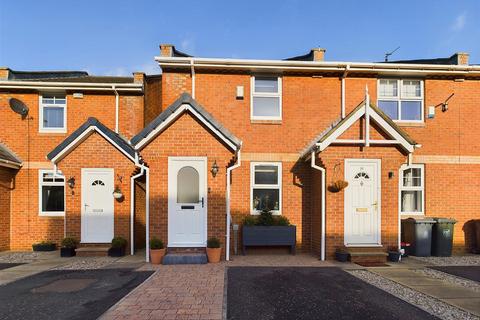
(475, 286)
(23, 257)
(87, 263)
(471, 260)
(431, 305)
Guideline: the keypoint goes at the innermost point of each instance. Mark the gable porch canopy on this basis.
(185, 103)
(330, 136)
(83, 132)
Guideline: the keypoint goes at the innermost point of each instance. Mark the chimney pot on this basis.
(319, 54)
(166, 50)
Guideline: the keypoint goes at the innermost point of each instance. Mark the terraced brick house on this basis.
(402, 134)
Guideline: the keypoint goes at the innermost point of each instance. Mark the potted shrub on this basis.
(44, 246)
(213, 250)
(118, 247)
(394, 254)
(157, 250)
(268, 230)
(69, 245)
(341, 255)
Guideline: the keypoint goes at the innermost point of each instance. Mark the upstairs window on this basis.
(412, 189)
(401, 100)
(51, 193)
(266, 186)
(266, 99)
(53, 115)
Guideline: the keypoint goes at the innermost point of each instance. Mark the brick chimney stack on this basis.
(166, 50)
(318, 54)
(138, 77)
(460, 58)
(4, 71)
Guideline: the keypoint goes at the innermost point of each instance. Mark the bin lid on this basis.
(420, 220)
(445, 220)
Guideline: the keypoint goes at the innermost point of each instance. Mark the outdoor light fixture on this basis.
(117, 193)
(214, 169)
(71, 182)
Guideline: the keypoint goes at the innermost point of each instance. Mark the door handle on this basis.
(202, 201)
(375, 204)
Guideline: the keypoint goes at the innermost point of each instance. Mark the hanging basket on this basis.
(338, 186)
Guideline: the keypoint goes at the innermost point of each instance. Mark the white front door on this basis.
(97, 205)
(187, 202)
(362, 202)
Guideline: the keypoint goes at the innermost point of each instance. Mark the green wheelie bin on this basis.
(442, 237)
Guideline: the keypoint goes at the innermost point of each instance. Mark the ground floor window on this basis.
(412, 189)
(51, 193)
(266, 186)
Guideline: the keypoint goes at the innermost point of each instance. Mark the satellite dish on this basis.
(18, 107)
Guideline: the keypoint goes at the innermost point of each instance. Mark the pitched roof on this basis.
(92, 124)
(198, 111)
(324, 135)
(8, 157)
(64, 76)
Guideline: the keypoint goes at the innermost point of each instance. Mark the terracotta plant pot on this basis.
(156, 255)
(214, 254)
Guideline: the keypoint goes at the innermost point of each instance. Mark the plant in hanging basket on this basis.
(338, 186)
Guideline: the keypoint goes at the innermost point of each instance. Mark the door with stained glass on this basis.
(187, 202)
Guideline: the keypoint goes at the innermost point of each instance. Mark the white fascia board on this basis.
(81, 138)
(344, 127)
(41, 85)
(393, 68)
(9, 164)
(173, 117)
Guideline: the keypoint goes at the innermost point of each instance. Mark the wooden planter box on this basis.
(269, 236)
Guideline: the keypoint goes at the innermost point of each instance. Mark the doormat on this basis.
(372, 264)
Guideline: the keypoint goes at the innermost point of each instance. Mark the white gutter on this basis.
(339, 66)
(116, 107)
(10, 164)
(229, 217)
(345, 73)
(322, 170)
(192, 64)
(132, 202)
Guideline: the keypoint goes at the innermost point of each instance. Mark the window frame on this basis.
(41, 106)
(420, 188)
(399, 98)
(266, 95)
(41, 183)
(278, 186)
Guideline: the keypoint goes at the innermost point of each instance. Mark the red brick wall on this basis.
(153, 97)
(6, 185)
(186, 137)
(96, 152)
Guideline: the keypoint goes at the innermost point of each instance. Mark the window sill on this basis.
(59, 132)
(277, 122)
(411, 124)
(412, 214)
(51, 214)
(257, 213)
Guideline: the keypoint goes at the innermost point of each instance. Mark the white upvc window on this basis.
(401, 99)
(266, 186)
(412, 189)
(51, 198)
(53, 113)
(266, 98)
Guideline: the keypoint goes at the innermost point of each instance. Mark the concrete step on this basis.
(92, 251)
(368, 255)
(185, 258)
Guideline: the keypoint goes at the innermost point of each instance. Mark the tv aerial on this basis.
(388, 54)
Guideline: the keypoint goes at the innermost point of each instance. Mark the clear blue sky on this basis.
(118, 37)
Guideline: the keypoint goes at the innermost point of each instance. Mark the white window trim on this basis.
(41, 128)
(416, 188)
(265, 94)
(399, 99)
(266, 186)
(41, 183)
